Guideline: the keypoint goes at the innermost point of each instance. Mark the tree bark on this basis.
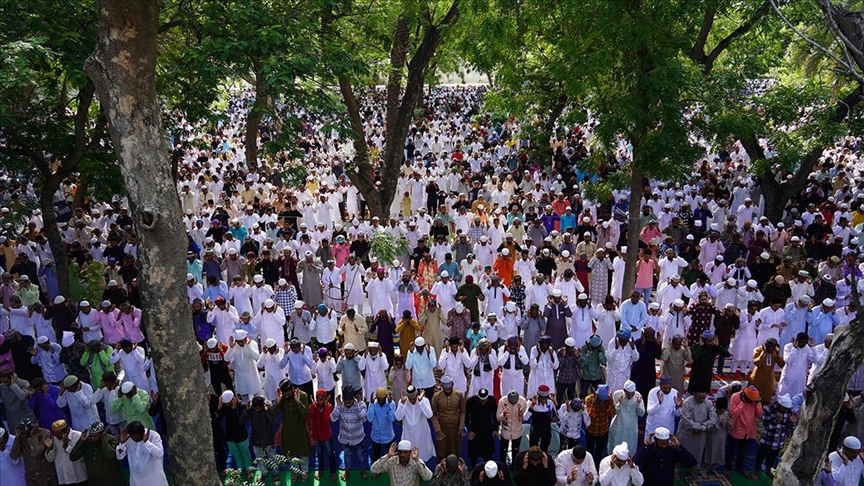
(808, 446)
(253, 120)
(123, 68)
(633, 228)
(52, 233)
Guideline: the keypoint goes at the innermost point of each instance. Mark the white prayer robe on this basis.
(81, 406)
(415, 425)
(512, 378)
(223, 321)
(661, 414)
(376, 373)
(454, 365)
(145, 460)
(378, 291)
(273, 372)
(793, 375)
(543, 368)
(581, 323)
(486, 378)
(244, 361)
(271, 325)
(68, 471)
(619, 360)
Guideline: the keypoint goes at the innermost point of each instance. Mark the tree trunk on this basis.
(633, 228)
(808, 446)
(253, 121)
(123, 68)
(52, 232)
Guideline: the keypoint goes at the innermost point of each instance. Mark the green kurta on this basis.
(101, 460)
(135, 408)
(469, 295)
(295, 435)
(98, 364)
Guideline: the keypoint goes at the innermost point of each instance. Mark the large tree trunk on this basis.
(253, 120)
(808, 446)
(123, 68)
(52, 233)
(633, 228)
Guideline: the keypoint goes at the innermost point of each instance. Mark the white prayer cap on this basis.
(785, 401)
(269, 343)
(582, 296)
(189, 276)
(459, 307)
(227, 396)
(556, 292)
(106, 303)
(654, 305)
(678, 303)
(765, 255)
(258, 278)
(59, 299)
(565, 253)
(491, 469)
(751, 283)
(629, 386)
(232, 251)
(212, 342)
(586, 219)
(68, 339)
(731, 281)
(622, 451)
(420, 342)
(795, 239)
(112, 283)
(661, 433)
(84, 303)
(676, 277)
(508, 235)
(349, 347)
(445, 273)
(690, 237)
(282, 281)
(127, 387)
(298, 304)
(208, 240)
(373, 344)
(404, 445)
(828, 303)
(484, 238)
(505, 252)
(852, 442)
(510, 306)
(239, 334)
(605, 224)
(268, 304)
(308, 253)
(42, 340)
(570, 342)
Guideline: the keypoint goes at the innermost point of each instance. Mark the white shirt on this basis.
(145, 460)
(846, 475)
(619, 476)
(564, 465)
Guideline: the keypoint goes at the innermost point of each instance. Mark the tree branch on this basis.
(697, 53)
(740, 31)
(850, 70)
(82, 117)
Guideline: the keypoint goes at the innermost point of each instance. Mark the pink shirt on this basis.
(645, 274)
(744, 417)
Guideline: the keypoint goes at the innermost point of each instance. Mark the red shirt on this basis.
(319, 421)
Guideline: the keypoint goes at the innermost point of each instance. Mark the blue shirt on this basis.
(451, 268)
(211, 292)
(350, 370)
(568, 221)
(300, 372)
(382, 418)
(635, 315)
(52, 370)
(822, 324)
(797, 319)
(421, 368)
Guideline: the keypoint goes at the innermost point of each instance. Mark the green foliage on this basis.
(385, 248)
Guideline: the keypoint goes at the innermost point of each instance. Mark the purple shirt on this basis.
(45, 406)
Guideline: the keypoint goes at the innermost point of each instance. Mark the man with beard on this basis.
(448, 418)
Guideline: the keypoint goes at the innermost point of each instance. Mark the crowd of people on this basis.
(495, 348)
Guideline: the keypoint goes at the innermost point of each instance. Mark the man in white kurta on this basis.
(573, 470)
(452, 362)
(444, 291)
(378, 290)
(79, 397)
(270, 323)
(618, 469)
(773, 320)
(145, 458)
(134, 364)
(415, 411)
(799, 356)
(375, 364)
(353, 275)
(664, 404)
(63, 440)
(243, 356)
(620, 356)
(544, 362)
(582, 321)
(223, 317)
(513, 359)
(270, 361)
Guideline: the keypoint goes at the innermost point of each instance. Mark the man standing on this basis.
(59, 450)
(98, 450)
(482, 422)
(403, 464)
(509, 415)
(448, 418)
(664, 404)
(79, 397)
(31, 444)
(293, 405)
(697, 419)
(415, 411)
(144, 452)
